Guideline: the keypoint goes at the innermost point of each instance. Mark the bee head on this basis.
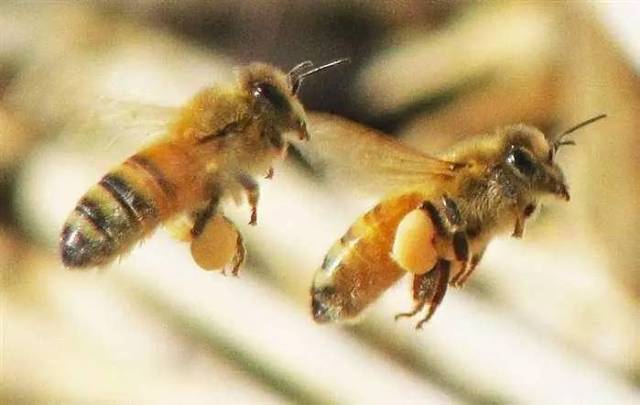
(530, 156)
(275, 94)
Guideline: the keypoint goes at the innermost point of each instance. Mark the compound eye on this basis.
(257, 91)
(271, 94)
(522, 162)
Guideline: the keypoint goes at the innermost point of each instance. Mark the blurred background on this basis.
(552, 318)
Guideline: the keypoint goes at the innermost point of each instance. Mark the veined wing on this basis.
(344, 152)
(118, 124)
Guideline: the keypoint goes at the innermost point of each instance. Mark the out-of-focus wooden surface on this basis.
(552, 318)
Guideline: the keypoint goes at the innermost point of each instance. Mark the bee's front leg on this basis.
(252, 189)
(442, 270)
(521, 218)
(429, 288)
(518, 229)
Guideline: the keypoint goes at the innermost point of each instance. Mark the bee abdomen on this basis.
(343, 247)
(136, 207)
(78, 249)
(107, 221)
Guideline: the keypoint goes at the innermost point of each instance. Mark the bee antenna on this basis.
(297, 68)
(583, 124)
(558, 142)
(296, 77)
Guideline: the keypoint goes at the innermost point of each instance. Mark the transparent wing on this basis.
(349, 154)
(115, 124)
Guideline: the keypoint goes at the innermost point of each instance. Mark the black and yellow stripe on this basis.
(136, 206)
(343, 246)
(358, 267)
(113, 214)
(146, 166)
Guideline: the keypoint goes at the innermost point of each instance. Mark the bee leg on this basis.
(460, 246)
(521, 219)
(253, 194)
(269, 174)
(238, 258)
(423, 286)
(461, 278)
(457, 269)
(452, 212)
(518, 230)
(203, 216)
(459, 239)
(218, 246)
(441, 275)
(455, 280)
(427, 289)
(461, 251)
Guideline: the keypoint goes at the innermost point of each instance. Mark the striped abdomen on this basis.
(358, 268)
(123, 207)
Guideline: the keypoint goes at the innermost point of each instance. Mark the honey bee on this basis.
(214, 147)
(439, 221)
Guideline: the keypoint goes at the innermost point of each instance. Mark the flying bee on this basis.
(439, 221)
(214, 147)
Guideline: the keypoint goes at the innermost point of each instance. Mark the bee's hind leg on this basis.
(521, 218)
(252, 189)
(216, 243)
(238, 258)
(429, 288)
(203, 216)
(422, 287)
(441, 271)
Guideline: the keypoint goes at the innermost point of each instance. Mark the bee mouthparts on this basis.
(563, 192)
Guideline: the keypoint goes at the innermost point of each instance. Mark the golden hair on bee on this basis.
(440, 217)
(214, 148)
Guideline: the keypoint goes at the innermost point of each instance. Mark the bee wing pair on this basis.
(342, 151)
